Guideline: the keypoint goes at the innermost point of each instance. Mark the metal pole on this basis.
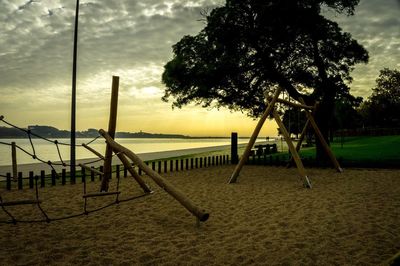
(73, 100)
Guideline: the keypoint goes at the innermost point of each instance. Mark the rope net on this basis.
(33, 154)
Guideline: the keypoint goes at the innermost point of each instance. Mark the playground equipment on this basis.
(270, 110)
(121, 152)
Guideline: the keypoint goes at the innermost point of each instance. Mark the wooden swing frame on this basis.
(270, 110)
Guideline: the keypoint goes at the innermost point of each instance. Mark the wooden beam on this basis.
(133, 173)
(164, 184)
(19, 202)
(112, 124)
(91, 169)
(292, 149)
(322, 140)
(101, 194)
(14, 160)
(253, 138)
(93, 151)
(302, 106)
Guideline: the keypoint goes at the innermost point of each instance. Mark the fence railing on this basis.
(53, 178)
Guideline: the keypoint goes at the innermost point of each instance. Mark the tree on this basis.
(249, 46)
(382, 109)
(346, 114)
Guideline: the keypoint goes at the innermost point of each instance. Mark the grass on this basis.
(375, 148)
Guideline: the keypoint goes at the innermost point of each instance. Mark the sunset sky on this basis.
(133, 39)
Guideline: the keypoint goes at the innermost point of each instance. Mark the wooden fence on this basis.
(53, 178)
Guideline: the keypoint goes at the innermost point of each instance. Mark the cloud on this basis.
(375, 25)
(131, 39)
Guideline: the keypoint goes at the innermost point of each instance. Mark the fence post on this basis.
(101, 170)
(201, 162)
(53, 177)
(8, 181)
(14, 160)
(181, 164)
(117, 171)
(30, 179)
(83, 175)
(177, 165)
(159, 167)
(63, 176)
(92, 175)
(197, 162)
(234, 148)
(42, 179)
(171, 165)
(191, 163)
(187, 164)
(20, 180)
(125, 171)
(165, 166)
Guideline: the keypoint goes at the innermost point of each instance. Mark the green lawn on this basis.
(378, 149)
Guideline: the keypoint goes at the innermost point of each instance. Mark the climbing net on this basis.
(37, 201)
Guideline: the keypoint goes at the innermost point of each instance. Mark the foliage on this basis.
(382, 109)
(346, 115)
(248, 46)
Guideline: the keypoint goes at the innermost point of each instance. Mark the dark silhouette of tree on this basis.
(346, 114)
(250, 46)
(382, 109)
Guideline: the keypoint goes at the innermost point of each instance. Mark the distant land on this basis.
(54, 133)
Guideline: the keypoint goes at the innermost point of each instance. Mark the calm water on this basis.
(48, 151)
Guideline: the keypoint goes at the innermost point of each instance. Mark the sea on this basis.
(48, 151)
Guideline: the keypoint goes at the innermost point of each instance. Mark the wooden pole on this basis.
(112, 124)
(234, 148)
(134, 174)
(292, 149)
(253, 138)
(14, 160)
(292, 104)
(164, 184)
(93, 151)
(73, 98)
(322, 140)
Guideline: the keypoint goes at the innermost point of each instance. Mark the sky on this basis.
(133, 40)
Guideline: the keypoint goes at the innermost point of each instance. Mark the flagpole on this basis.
(73, 100)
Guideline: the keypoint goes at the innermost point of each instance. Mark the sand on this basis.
(267, 218)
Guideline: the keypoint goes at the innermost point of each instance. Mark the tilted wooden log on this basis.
(322, 140)
(253, 138)
(292, 104)
(93, 151)
(133, 173)
(168, 187)
(91, 169)
(292, 149)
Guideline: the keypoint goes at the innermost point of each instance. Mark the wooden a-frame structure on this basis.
(270, 110)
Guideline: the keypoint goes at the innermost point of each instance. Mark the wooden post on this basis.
(8, 181)
(14, 160)
(30, 179)
(63, 176)
(254, 136)
(322, 140)
(53, 177)
(292, 149)
(42, 179)
(168, 187)
(234, 148)
(128, 166)
(20, 180)
(112, 124)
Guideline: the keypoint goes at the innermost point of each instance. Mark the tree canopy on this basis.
(382, 108)
(249, 46)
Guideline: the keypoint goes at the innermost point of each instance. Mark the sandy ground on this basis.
(267, 218)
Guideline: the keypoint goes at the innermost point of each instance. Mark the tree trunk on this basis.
(324, 118)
